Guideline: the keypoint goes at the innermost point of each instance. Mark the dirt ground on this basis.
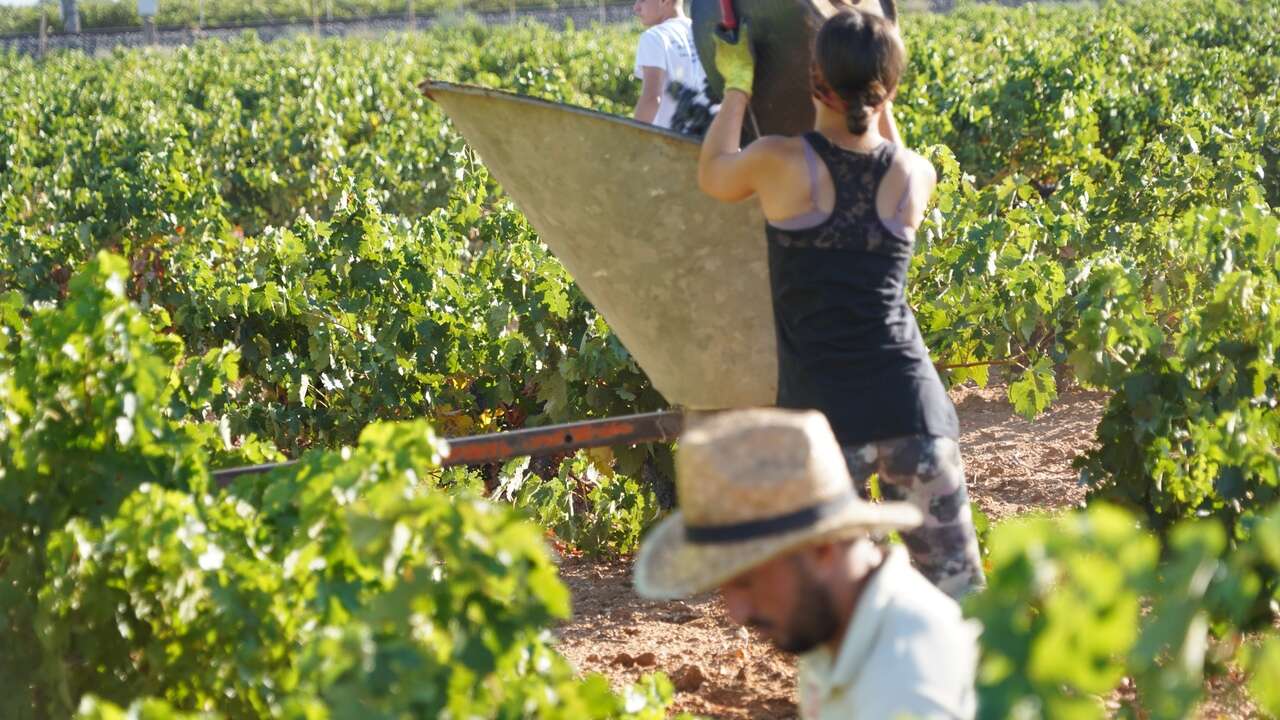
(1016, 466)
(721, 671)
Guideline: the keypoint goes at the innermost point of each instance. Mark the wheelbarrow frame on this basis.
(478, 450)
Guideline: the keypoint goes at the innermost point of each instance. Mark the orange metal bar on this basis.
(626, 430)
(662, 426)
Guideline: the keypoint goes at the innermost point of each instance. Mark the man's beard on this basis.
(814, 622)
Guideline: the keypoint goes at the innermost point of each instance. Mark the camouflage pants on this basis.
(928, 473)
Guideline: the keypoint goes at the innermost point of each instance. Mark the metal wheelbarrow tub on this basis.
(782, 36)
(681, 279)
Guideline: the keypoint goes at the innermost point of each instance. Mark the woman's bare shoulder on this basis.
(779, 143)
(909, 163)
(779, 148)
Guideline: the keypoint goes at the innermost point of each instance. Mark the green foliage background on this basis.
(303, 260)
(97, 14)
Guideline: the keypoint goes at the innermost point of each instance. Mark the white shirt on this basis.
(907, 652)
(668, 46)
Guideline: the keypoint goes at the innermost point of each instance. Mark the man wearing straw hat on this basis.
(769, 516)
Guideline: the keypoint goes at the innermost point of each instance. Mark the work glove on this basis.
(734, 60)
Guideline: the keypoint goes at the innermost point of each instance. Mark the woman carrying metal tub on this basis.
(842, 203)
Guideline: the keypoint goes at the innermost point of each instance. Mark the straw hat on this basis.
(753, 485)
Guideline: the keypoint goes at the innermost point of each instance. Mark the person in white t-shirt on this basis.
(665, 55)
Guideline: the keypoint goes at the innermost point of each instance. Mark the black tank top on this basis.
(848, 344)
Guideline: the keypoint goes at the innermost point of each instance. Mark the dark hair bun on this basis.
(858, 118)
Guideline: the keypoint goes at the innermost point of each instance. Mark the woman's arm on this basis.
(922, 178)
(726, 171)
(718, 174)
(650, 94)
(888, 127)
